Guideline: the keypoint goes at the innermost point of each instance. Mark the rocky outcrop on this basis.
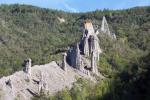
(64, 63)
(27, 67)
(49, 78)
(94, 62)
(89, 41)
(105, 28)
(79, 56)
(61, 20)
(74, 57)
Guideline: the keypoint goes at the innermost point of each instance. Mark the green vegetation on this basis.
(27, 31)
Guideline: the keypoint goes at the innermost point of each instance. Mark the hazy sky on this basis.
(80, 5)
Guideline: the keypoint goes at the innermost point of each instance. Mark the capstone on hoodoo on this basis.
(85, 55)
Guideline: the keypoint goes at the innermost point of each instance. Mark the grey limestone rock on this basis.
(105, 28)
(87, 49)
(27, 67)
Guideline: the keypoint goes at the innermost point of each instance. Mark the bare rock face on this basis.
(27, 66)
(74, 57)
(86, 52)
(88, 28)
(86, 46)
(105, 28)
(61, 20)
(64, 63)
(49, 77)
(94, 62)
(89, 41)
(78, 57)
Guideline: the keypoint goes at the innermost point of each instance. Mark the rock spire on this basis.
(105, 28)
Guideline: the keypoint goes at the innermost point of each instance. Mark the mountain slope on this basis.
(28, 31)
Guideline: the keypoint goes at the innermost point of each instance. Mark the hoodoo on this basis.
(64, 64)
(105, 28)
(78, 56)
(27, 68)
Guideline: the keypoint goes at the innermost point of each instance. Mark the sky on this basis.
(81, 5)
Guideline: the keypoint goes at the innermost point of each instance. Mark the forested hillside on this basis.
(28, 31)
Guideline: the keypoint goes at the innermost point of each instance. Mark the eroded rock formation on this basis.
(48, 78)
(105, 28)
(27, 66)
(94, 60)
(64, 63)
(79, 56)
(74, 57)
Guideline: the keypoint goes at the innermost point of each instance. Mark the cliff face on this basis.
(54, 79)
